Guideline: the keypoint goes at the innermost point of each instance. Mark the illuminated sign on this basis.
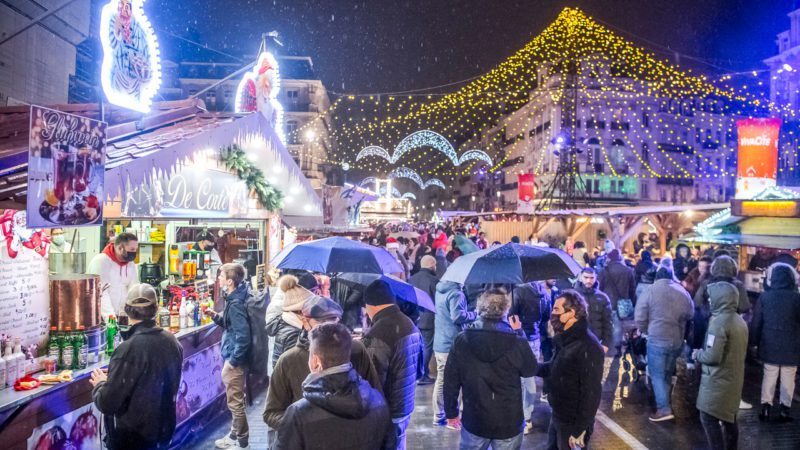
(131, 70)
(525, 193)
(766, 208)
(258, 91)
(758, 156)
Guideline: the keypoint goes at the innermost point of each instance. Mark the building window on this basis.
(291, 131)
(645, 190)
(613, 186)
(292, 94)
(645, 153)
(663, 194)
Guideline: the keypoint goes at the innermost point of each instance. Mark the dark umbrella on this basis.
(402, 291)
(511, 264)
(337, 254)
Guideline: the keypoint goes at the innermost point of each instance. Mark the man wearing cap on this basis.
(393, 343)
(137, 396)
(426, 280)
(286, 383)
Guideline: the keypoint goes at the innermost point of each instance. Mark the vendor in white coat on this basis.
(117, 273)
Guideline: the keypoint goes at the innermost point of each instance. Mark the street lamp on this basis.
(310, 135)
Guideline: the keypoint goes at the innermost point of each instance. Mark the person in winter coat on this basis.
(579, 253)
(529, 304)
(426, 280)
(286, 382)
(602, 260)
(683, 263)
(235, 345)
(776, 333)
(662, 314)
(485, 364)
(723, 268)
(722, 356)
(452, 316)
(286, 327)
(575, 374)
(698, 275)
(117, 272)
(645, 272)
(339, 410)
(140, 414)
(393, 343)
(618, 282)
(599, 307)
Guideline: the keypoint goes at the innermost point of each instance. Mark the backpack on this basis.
(258, 351)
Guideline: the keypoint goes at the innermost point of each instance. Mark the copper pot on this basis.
(74, 301)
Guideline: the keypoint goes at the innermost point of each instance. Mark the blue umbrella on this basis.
(511, 264)
(335, 255)
(402, 291)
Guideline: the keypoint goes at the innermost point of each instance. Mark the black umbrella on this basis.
(511, 264)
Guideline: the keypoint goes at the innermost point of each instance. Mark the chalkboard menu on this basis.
(201, 287)
(261, 272)
(24, 298)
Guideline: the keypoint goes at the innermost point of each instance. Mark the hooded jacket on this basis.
(394, 343)
(529, 303)
(599, 312)
(425, 280)
(118, 275)
(338, 411)
(722, 356)
(645, 269)
(575, 374)
(776, 319)
(617, 282)
(683, 265)
(138, 399)
(722, 269)
(452, 315)
(485, 364)
(286, 382)
(662, 313)
(236, 337)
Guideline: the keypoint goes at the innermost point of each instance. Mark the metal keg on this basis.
(75, 301)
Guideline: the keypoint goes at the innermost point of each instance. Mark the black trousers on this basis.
(558, 439)
(721, 435)
(423, 368)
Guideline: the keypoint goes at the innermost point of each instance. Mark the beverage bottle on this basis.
(111, 334)
(196, 313)
(3, 372)
(11, 366)
(174, 318)
(61, 341)
(68, 349)
(182, 312)
(190, 305)
(20, 357)
(163, 315)
(211, 307)
(53, 349)
(82, 344)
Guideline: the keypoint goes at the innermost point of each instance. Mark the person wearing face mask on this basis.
(117, 272)
(206, 243)
(286, 382)
(575, 374)
(235, 344)
(59, 242)
(338, 409)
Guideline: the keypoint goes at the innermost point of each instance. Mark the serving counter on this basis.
(50, 415)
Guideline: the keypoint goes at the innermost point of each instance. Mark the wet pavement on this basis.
(621, 423)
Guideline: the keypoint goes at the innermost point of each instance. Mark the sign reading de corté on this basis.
(189, 192)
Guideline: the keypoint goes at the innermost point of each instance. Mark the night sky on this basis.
(396, 45)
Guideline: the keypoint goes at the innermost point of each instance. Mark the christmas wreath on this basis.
(235, 159)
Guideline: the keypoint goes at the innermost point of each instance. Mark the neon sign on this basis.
(258, 91)
(131, 69)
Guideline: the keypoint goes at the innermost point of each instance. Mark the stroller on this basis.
(635, 354)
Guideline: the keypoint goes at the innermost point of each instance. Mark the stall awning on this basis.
(754, 240)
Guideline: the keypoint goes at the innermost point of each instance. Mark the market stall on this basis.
(171, 178)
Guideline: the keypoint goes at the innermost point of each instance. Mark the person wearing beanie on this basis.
(426, 280)
(285, 328)
(393, 247)
(133, 416)
(602, 260)
(618, 281)
(722, 356)
(776, 333)
(393, 343)
(662, 313)
(291, 370)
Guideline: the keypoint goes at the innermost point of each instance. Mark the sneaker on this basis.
(425, 380)
(783, 414)
(440, 422)
(452, 427)
(744, 405)
(662, 415)
(225, 442)
(528, 427)
(544, 397)
(764, 414)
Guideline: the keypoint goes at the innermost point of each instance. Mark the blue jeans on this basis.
(661, 367)
(400, 427)
(529, 385)
(471, 442)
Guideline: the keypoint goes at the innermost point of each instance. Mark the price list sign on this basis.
(24, 300)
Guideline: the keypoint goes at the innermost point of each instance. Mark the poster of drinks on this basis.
(66, 166)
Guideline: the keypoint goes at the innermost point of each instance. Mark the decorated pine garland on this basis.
(235, 159)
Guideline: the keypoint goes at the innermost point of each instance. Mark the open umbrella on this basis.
(465, 244)
(511, 264)
(401, 290)
(335, 255)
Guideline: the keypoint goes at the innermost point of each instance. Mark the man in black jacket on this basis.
(618, 282)
(576, 374)
(598, 307)
(529, 303)
(486, 363)
(339, 410)
(425, 280)
(393, 343)
(137, 397)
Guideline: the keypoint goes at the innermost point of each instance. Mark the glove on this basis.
(577, 442)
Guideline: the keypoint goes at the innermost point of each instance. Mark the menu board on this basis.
(24, 298)
(201, 382)
(261, 271)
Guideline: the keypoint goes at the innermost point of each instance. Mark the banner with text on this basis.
(526, 189)
(758, 156)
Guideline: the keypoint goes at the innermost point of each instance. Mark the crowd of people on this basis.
(346, 360)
